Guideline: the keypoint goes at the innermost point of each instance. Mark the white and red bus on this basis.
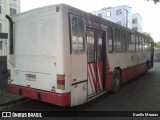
(65, 56)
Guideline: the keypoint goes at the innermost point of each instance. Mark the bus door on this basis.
(96, 60)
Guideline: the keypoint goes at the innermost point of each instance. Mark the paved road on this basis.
(140, 94)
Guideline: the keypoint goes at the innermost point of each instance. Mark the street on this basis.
(140, 94)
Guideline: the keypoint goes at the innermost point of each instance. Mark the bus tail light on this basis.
(60, 82)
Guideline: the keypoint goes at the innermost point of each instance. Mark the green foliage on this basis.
(157, 44)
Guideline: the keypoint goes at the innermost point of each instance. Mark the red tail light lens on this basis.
(61, 82)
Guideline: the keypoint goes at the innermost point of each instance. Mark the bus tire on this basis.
(116, 81)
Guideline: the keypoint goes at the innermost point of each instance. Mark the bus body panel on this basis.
(37, 47)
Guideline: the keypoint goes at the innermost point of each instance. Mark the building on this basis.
(137, 22)
(7, 7)
(121, 15)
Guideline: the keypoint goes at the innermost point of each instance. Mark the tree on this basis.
(155, 1)
(157, 44)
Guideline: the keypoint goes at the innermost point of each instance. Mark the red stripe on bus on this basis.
(50, 97)
(91, 83)
(92, 75)
(100, 74)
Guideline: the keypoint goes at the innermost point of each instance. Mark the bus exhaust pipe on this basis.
(10, 34)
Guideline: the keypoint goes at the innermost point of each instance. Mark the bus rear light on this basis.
(61, 82)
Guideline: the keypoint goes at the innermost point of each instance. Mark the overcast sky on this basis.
(149, 12)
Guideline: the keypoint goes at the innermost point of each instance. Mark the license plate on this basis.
(30, 77)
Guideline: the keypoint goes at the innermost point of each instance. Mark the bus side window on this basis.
(90, 46)
(123, 41)
(140, 44)
(143, 44)
(80, 27)
(74, 26)
(117, 41)
(137, 44)
(77, 35)
(99, 47)
(148, 45)
(110, 40)
(131, 42)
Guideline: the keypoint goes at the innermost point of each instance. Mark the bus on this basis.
(65, 56)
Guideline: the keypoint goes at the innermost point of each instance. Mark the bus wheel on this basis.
(116, 81)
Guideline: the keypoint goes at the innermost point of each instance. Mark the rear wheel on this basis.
(116, 80)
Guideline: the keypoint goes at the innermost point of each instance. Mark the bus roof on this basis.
(91, 16)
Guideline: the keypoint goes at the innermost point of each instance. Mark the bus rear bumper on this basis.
(45, 96)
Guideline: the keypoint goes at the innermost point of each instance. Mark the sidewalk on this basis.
(9, 98)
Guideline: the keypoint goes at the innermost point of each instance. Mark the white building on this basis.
(137, 22)
(7, 7)
(121, 15)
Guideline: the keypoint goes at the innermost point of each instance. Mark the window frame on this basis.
(129, 39)
(118, 12)
(11, 11)
(116, 37)
(77, 35)
(110, 29)
(137, 43)
(123, 41)
(108, 14)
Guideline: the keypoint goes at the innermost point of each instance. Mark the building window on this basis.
(99, 14)
(108, 14)
(13, 11)
(134, 21)
(118, 12)
(119, 22)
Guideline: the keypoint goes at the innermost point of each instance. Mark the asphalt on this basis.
(9, 98)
